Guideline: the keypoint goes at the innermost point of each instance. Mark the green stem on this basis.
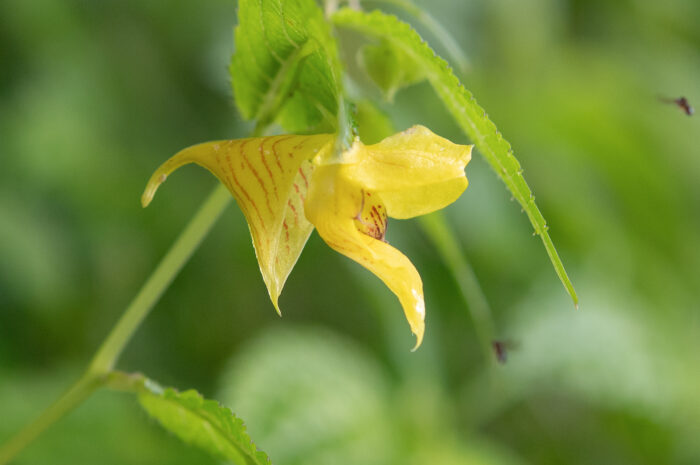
(80, 391)
(112, 347)
(158, 282)
(100, 368)
(451, 252)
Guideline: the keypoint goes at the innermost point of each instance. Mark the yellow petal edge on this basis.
(269, 178)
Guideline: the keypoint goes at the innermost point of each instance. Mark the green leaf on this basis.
(285, 67)
(195, 420)
(469, 115)
(389, 67)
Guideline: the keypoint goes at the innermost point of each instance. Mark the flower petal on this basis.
(269, 178)
(415, 171)
(341, 210)
(371, 219)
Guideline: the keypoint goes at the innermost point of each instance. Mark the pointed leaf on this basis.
(192, 418)
(269, 178)
(464, 109)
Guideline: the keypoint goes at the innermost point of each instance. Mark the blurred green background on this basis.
(95, 94)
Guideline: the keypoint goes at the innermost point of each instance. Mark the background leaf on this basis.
(373, 124)
(464, 109)
(438, 30)
(316, 398)
(389, 67)
(289, 384)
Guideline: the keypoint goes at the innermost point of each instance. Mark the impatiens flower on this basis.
(287, 185)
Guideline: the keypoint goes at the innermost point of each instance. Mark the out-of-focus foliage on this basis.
(304, 409)
(309, 412)
(389, 67)
(110, 89)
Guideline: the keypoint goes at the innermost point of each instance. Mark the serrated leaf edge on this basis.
(142, 386)
(459, 101)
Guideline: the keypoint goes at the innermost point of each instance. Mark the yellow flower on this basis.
(287, 185)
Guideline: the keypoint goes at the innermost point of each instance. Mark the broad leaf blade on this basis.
(192, 418)
(469, 115)
(205, 424)
(285, 66)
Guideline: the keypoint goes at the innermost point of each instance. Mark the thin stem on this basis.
(100, 368)
(80, 391)
(158, 282)
(451, 252)
(112, 347)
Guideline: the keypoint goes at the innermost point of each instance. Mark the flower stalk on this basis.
(160, 279)
(102, 364)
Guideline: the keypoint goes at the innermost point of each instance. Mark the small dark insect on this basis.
(501, 348)
(680, 102)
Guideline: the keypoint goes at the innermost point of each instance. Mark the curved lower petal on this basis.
(269, 178)
(350, 222)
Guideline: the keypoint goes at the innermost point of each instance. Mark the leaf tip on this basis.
(568, 285)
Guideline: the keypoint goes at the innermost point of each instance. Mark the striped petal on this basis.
(269, 178)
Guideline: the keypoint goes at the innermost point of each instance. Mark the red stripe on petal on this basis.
(274, 150)
(267, 167)
(245, 194)
(306, 182)
(296, 216)
(260, 181)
